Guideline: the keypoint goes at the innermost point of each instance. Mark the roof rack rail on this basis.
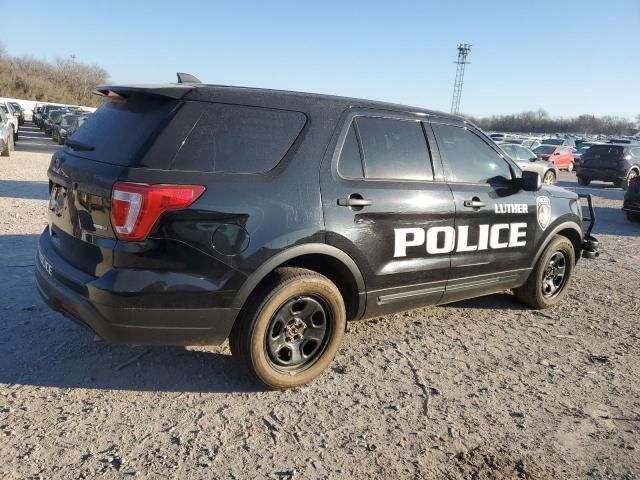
(187, 78)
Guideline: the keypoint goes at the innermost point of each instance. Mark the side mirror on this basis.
(533, 159)
(531, 181)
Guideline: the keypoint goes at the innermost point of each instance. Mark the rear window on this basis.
(544, 149)
(239, 139)
(605, 150)
(553, 141)
(119, 129)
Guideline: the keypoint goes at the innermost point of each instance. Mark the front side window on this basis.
(394, 149)
(469, 158)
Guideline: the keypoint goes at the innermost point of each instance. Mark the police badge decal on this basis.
(543, 211)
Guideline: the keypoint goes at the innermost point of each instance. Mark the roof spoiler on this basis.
(170, 90)
(187, 78)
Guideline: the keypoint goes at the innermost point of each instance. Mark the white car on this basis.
(6, 135)
(12, 117)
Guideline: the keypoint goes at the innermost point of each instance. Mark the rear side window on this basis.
(350, 163)
(239, 139)
(394, 149)
(469, 159)
(119, 129)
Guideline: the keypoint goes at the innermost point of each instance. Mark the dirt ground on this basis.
(478, 389)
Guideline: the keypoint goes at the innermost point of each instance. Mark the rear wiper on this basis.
(79, 145)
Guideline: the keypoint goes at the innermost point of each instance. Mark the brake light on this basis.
(135, 207)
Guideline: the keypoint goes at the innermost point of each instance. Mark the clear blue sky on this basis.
(567, 57)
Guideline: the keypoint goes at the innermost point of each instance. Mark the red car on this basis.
(561, 156)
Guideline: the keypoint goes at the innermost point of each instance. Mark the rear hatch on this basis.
(603, 156)
(123, 134)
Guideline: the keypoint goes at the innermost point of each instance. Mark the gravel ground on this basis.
(478, 389)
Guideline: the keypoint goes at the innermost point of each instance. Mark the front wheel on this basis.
(584, 181)
(633, 217)
(549, 178)
(548, 282)
(290, 329)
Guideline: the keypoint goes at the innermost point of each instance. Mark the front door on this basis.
(381, 194)
(495, 221)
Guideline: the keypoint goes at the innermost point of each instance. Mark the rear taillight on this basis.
(135, 207)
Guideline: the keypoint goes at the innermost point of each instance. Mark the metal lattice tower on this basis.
(463, 52)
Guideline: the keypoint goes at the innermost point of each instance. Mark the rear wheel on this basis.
(549, 177)
(290, 329)
(584, 181)
(625, 183)
(548, 282)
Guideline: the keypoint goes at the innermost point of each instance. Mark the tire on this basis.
(633, 217)
(549, 177)
(268, 319)
(625, 183)
(584, 181)
(535, 291)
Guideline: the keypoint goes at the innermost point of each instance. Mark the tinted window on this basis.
(553, 141)
(544, 149)
(468, 157)
(394, 149)
(605, 151)
(350, 163)
(239, 139)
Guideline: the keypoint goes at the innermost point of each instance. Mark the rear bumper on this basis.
(607, 175)
(62, 286)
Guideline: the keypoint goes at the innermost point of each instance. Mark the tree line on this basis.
(61, 81)
(540, 122)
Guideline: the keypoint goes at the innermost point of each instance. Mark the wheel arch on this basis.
(324, 259)
(569, 230)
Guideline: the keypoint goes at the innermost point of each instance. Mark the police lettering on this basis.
(441, 240)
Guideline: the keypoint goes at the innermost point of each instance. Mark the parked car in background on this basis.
(53, 117)
(567, 142)
(36, 113)
(11, 118)
(531, 143)
(69, 125)
(19, 111)
(560, 156)
(498, 137)
(45, 113)
(7, 142)
(617, 163)
(529, 161)
(580, 149)
(631, 203)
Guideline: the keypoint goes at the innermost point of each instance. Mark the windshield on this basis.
(544, 149)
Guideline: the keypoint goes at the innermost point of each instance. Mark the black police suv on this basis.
(188, 213)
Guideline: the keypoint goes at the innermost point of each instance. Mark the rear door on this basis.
(382, 192)
(494, 222)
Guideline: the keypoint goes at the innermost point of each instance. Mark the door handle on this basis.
(474, 203)
(354, 200)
